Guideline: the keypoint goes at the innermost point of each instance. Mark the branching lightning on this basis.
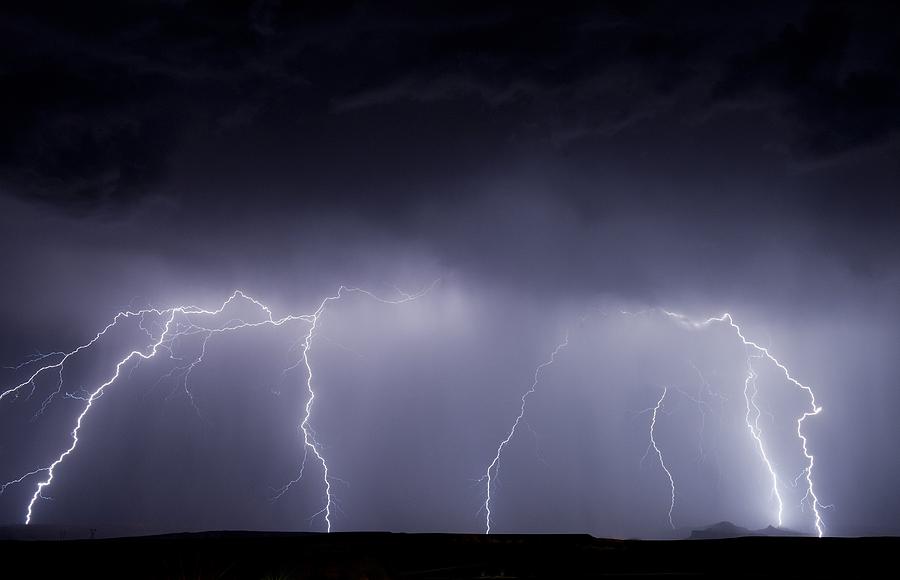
(752, 417)
(309, 438)
(751, 391)
(163, 329)
(814, 409)
(179, 322)
(493, 469)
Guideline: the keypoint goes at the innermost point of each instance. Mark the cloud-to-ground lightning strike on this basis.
(814, 408)
(164, 327)
(309, 439)
(659, 454)
(493, 469)
(751, 391)
(755, 350)
(179, 322)
(703, 407)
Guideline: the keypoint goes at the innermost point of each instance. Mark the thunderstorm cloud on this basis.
(551, 170)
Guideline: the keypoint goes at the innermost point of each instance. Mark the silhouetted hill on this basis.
(723, 530)
(59, 532)
(239, 555)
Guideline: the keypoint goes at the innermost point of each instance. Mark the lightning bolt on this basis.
(179, 322)
(169, 325)
(751, 418)
(659, 454)
(814, 409)
(66, 356)
(751, 391)
(309, 438)
(493, 469)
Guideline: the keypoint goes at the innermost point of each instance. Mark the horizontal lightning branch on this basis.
(165, 327)
(175, 323)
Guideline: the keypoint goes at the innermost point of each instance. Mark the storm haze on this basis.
(539, 177)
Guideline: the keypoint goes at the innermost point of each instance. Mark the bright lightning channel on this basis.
(751, 391)
(814, 409)
(179, 322)
(309, 439)
(659, 454)
(493, 469)
(750, 394)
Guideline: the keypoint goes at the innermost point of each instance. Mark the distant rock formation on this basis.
(730, 530)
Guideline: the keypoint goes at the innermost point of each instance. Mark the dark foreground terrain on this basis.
(382, 555)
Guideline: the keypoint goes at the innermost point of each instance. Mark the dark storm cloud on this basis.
(704, 158)
(650, 142)
(566, 74)
(99, 105)
(835, 75)
(94, 102)
(657, 147)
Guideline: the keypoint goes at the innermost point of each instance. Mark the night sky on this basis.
(550, 168)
